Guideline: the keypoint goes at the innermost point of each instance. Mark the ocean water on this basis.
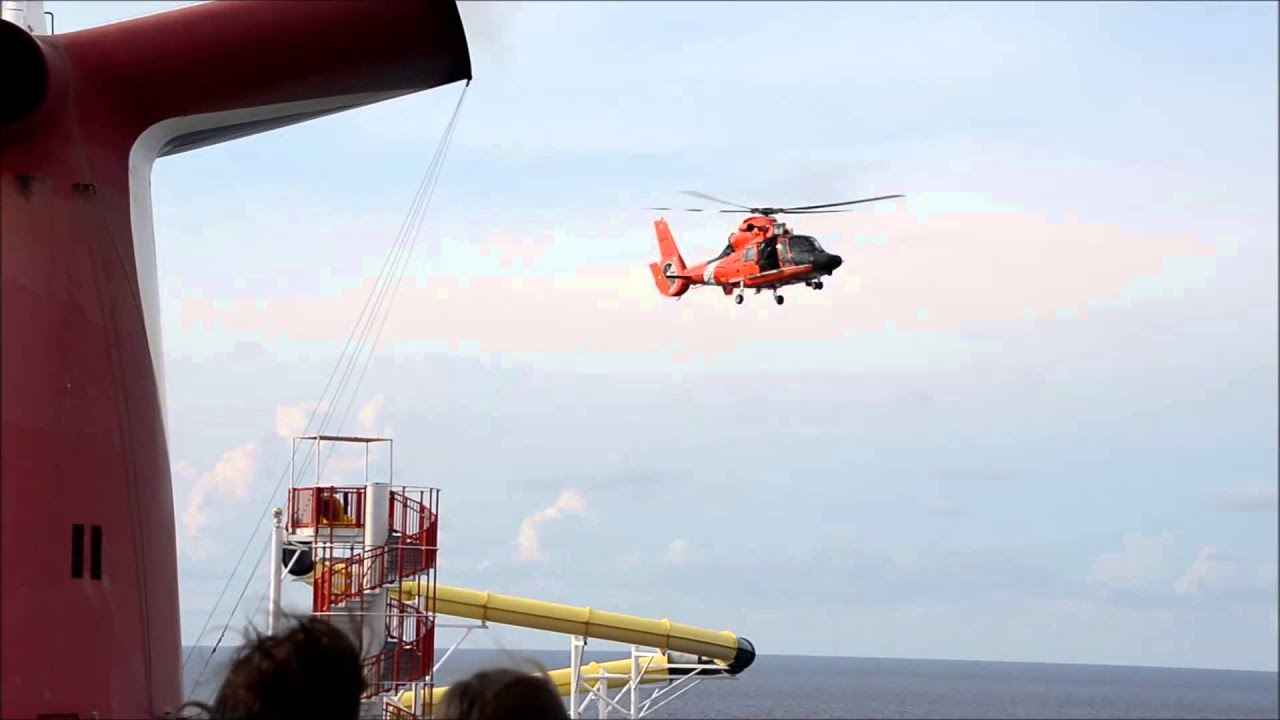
(787, 686)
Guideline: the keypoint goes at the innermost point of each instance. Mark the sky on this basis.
(1032, 418)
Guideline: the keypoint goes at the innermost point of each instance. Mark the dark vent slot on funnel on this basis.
(77, 551)
(95, 553)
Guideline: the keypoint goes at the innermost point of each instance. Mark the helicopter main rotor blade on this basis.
(705, 196)
(814, 212)
(771, 213)
(831, 205)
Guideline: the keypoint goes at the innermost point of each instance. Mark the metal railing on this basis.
(347, 571)
(410, 660)
(331, 506)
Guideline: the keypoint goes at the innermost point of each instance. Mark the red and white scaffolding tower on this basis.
(369, 551)
(356, 544)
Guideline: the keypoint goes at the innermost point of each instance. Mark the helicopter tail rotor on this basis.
(669, 272)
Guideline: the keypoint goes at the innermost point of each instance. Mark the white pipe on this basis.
(372, 623)
(602, 697)
(377, 509)
(273, 572)
(575, 674)
(634, 689)
(377, 514)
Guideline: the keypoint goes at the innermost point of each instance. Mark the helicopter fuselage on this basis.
(763, 254)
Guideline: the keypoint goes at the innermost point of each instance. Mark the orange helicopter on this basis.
(763, 254)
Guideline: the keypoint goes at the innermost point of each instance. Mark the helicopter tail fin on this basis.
(668, 274)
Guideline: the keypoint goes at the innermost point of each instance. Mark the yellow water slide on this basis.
(652, 671)
(697, 646)
(724, 647)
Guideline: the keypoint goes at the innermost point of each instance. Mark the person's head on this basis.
(502, 694)
(312, 669)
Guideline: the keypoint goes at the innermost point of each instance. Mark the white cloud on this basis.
(678, 552)
(1141, 559)
(291, 420)
(1247, 498)
(527, 545)
(342, 463)
(1044, 271)
(187, 472)
(345, 463)
(888, 275)
(372, 423)
(230, 477)
(1209, 567)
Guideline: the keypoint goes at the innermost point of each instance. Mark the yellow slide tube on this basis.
(733, 652)
(652, 670)
(586, 622)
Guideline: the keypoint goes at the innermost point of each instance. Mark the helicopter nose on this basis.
(827, 263)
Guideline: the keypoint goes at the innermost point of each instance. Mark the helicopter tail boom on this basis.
(668, 273)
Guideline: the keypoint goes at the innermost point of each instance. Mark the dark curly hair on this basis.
(312, 669)
(502, 694)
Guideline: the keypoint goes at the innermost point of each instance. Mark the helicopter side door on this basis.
(784, 253)
(768, 261)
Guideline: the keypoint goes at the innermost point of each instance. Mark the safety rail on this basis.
(411, 556)
(411, 516)
(409, 625)
(339, 580)
(327, 506)
(343, 506)
(392, 710)
(356, 562)
(410, 658)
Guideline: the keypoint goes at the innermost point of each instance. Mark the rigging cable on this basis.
(261, 554)
(428, 178)
(261, 600)
(413, 239)
(414, 220)
(408, 233)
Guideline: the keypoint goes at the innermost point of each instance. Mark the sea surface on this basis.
(789, 686)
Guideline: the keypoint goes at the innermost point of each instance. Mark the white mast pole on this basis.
(273, 570)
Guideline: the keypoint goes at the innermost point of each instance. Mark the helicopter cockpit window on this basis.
(779, 228)
(803, 243)
(750, 254)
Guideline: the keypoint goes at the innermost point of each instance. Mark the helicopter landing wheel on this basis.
(778, 299)
(738, 298)
(817, 285)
